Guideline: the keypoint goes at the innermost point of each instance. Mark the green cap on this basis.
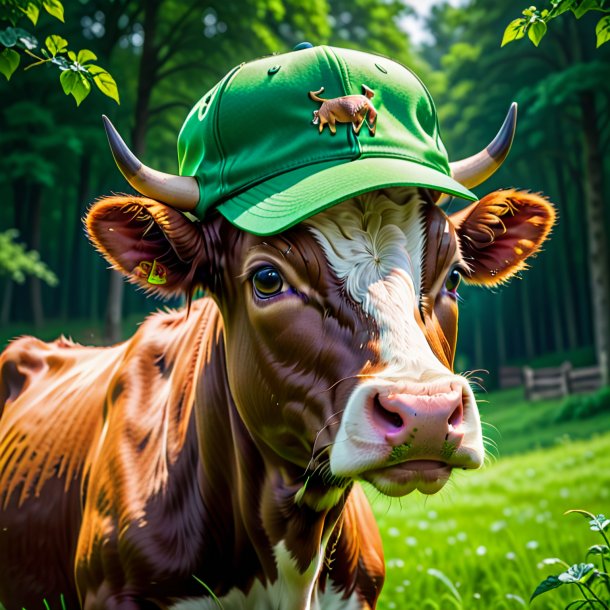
(266, 162)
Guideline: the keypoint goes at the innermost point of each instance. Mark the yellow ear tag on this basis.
(158, 274)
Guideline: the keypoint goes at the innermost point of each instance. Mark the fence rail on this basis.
(551, 382)
(560, 381)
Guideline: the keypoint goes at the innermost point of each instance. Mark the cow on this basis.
(215, 459)
(354, 109)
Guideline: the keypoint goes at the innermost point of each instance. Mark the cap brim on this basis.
(285, 200)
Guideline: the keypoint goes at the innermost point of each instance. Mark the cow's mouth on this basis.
(427, 476)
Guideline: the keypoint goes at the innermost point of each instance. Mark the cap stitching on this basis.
(240, 191)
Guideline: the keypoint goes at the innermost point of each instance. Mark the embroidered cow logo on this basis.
(354, 109)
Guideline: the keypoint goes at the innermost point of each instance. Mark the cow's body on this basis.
(222, 445)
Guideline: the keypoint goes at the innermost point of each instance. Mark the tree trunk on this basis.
(528, 327)
(598, 239)
(565, 263)
(114, 310)
(479, 348)
(36, 283)
(500, 330)
(146, 81)
(7, 299)
(80, 247)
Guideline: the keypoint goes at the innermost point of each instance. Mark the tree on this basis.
(77, 73)
(582, 83)
(473, 82)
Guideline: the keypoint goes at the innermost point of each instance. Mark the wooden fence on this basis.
(560, 381)
(551, 382)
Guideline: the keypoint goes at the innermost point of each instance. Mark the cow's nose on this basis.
(425, 422)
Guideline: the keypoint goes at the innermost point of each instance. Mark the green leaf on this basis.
(552, 582)
(578, 573)
(514, 31)
(85, 55)
(81, 90)
(9, 60)
(26, 40)
(72, 55)
(31, 12)
(584, 7)
(536, 32)
(8, 37)
(561, 6)
(76, 84)
(55, 8)
(56, 44)
(602, 30)
(598, 549)
(67, 79)
(599, 523)
(105, 83)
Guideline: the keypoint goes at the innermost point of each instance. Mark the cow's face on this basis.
(340, 332)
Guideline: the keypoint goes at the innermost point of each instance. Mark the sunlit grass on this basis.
(516, 425)
(478, 544)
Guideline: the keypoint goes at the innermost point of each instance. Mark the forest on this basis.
(164, 55)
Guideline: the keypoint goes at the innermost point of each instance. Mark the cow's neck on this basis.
(256, 528)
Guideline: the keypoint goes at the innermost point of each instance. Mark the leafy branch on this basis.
(16, 262)
(588, 578)
(534, 21)
(77, 74)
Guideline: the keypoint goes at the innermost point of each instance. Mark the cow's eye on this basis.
(453, 281)
(267, 282)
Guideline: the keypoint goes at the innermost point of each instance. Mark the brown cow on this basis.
(224, 442)
(354, 109)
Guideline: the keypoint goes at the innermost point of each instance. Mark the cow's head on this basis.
(340, 323)
(340, 332)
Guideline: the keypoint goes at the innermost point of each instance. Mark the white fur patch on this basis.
(367, 237)
(292, 590)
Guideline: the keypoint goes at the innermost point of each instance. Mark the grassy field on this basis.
(515, 425)
(478, 543)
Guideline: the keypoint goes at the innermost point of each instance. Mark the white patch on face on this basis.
(375, 245)
(367, 237)
(292, 590)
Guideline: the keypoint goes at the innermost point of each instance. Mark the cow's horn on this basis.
(476, 169)
(181, 192)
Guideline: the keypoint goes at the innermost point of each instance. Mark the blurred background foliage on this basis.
(165, 54)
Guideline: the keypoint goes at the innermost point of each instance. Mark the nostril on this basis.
(385, 417)
(457, 416)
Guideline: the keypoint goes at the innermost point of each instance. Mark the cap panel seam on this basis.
(347, 90)
(224, 85)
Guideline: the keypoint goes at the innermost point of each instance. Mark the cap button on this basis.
(303, 45)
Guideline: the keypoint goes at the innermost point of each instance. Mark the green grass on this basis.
(487, 533)
(83, 331)
(516, 425)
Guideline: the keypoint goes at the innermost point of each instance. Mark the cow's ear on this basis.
(154, 245)
(498, 233)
